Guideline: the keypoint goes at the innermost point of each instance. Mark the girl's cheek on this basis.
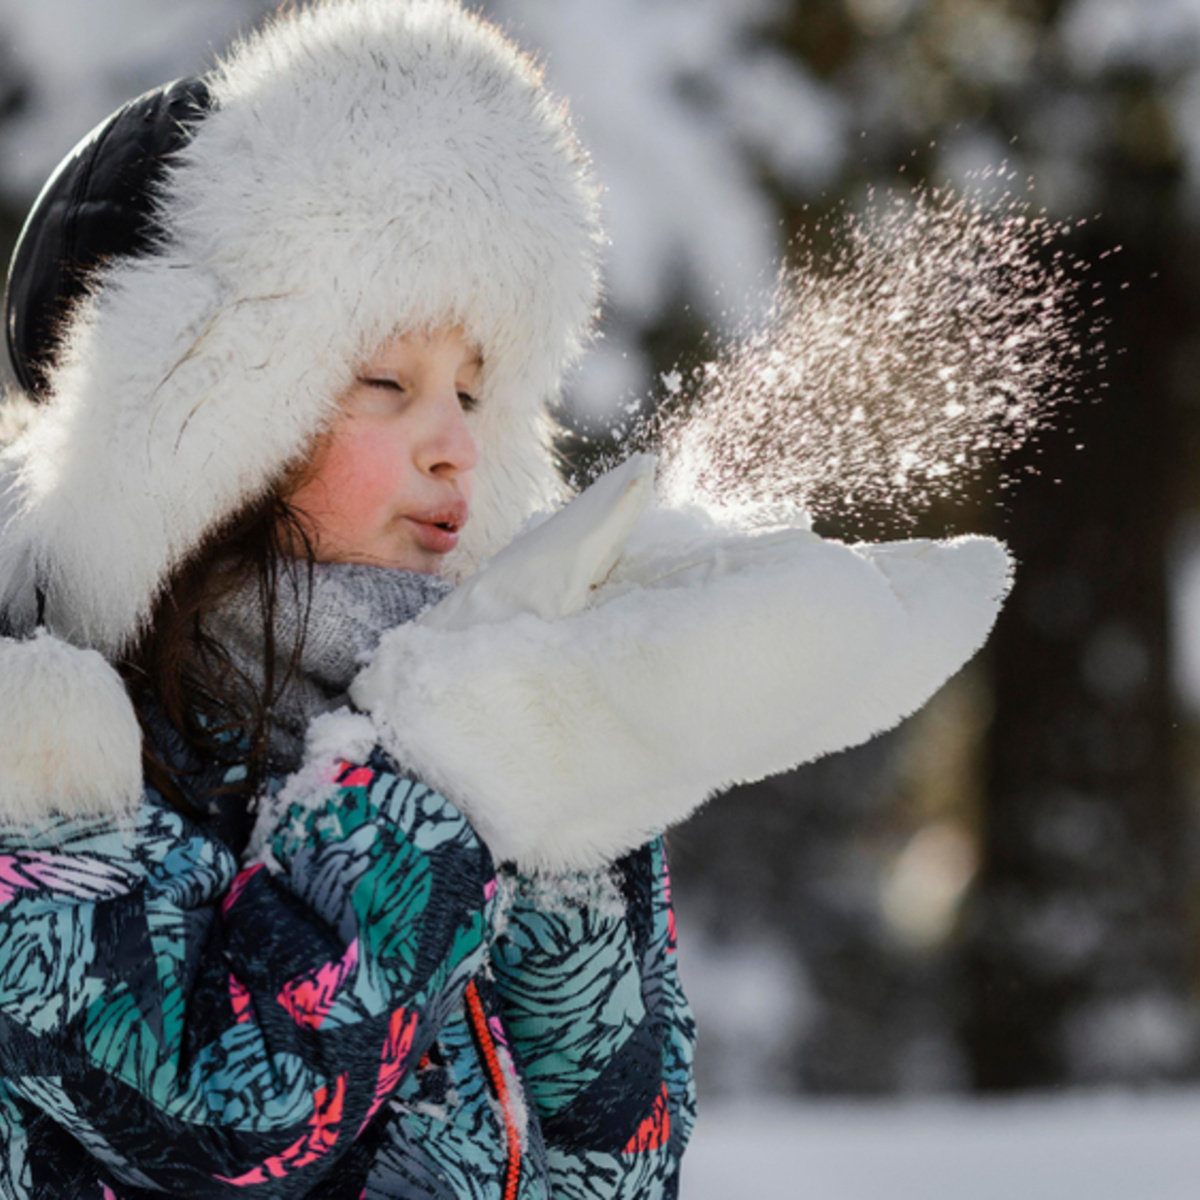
(363, 468)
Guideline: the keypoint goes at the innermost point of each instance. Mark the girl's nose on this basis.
(450, 448)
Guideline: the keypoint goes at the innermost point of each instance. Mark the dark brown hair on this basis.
(179, 674)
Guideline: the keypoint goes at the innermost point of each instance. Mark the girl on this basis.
(320, 876)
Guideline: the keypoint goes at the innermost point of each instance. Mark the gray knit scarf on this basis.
(349, 608)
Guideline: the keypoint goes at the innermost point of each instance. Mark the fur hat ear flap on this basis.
(70, 742)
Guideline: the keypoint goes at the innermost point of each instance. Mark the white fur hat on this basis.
(366, 167)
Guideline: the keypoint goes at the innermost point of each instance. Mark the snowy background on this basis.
(961, 961)
(1107, 1147)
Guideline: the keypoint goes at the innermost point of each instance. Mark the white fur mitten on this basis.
(550, 570)
(569, 741)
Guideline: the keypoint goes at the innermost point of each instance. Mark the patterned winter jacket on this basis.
(368, 1015)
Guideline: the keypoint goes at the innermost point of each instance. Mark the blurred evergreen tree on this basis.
(1072, 961)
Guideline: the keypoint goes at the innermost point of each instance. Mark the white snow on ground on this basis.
(1081, 1147)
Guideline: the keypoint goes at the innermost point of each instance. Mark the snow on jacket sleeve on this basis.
(211, 1033)
(587, 977)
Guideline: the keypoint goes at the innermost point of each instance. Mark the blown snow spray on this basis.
(937, 332)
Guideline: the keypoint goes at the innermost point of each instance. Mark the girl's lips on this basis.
(436, 538)
(437, 529)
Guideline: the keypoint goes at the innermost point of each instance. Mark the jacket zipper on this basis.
(495, 1072)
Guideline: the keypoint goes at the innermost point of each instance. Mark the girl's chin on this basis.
(418, 564)
(407, 558)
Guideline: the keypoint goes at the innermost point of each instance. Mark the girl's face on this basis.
(390, 484)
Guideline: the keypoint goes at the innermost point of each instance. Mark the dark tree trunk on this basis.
(1077, 963)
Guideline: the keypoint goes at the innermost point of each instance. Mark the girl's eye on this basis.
(390, 384)
(469, 403)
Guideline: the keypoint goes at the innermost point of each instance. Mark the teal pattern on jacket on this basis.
(368, 1016)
